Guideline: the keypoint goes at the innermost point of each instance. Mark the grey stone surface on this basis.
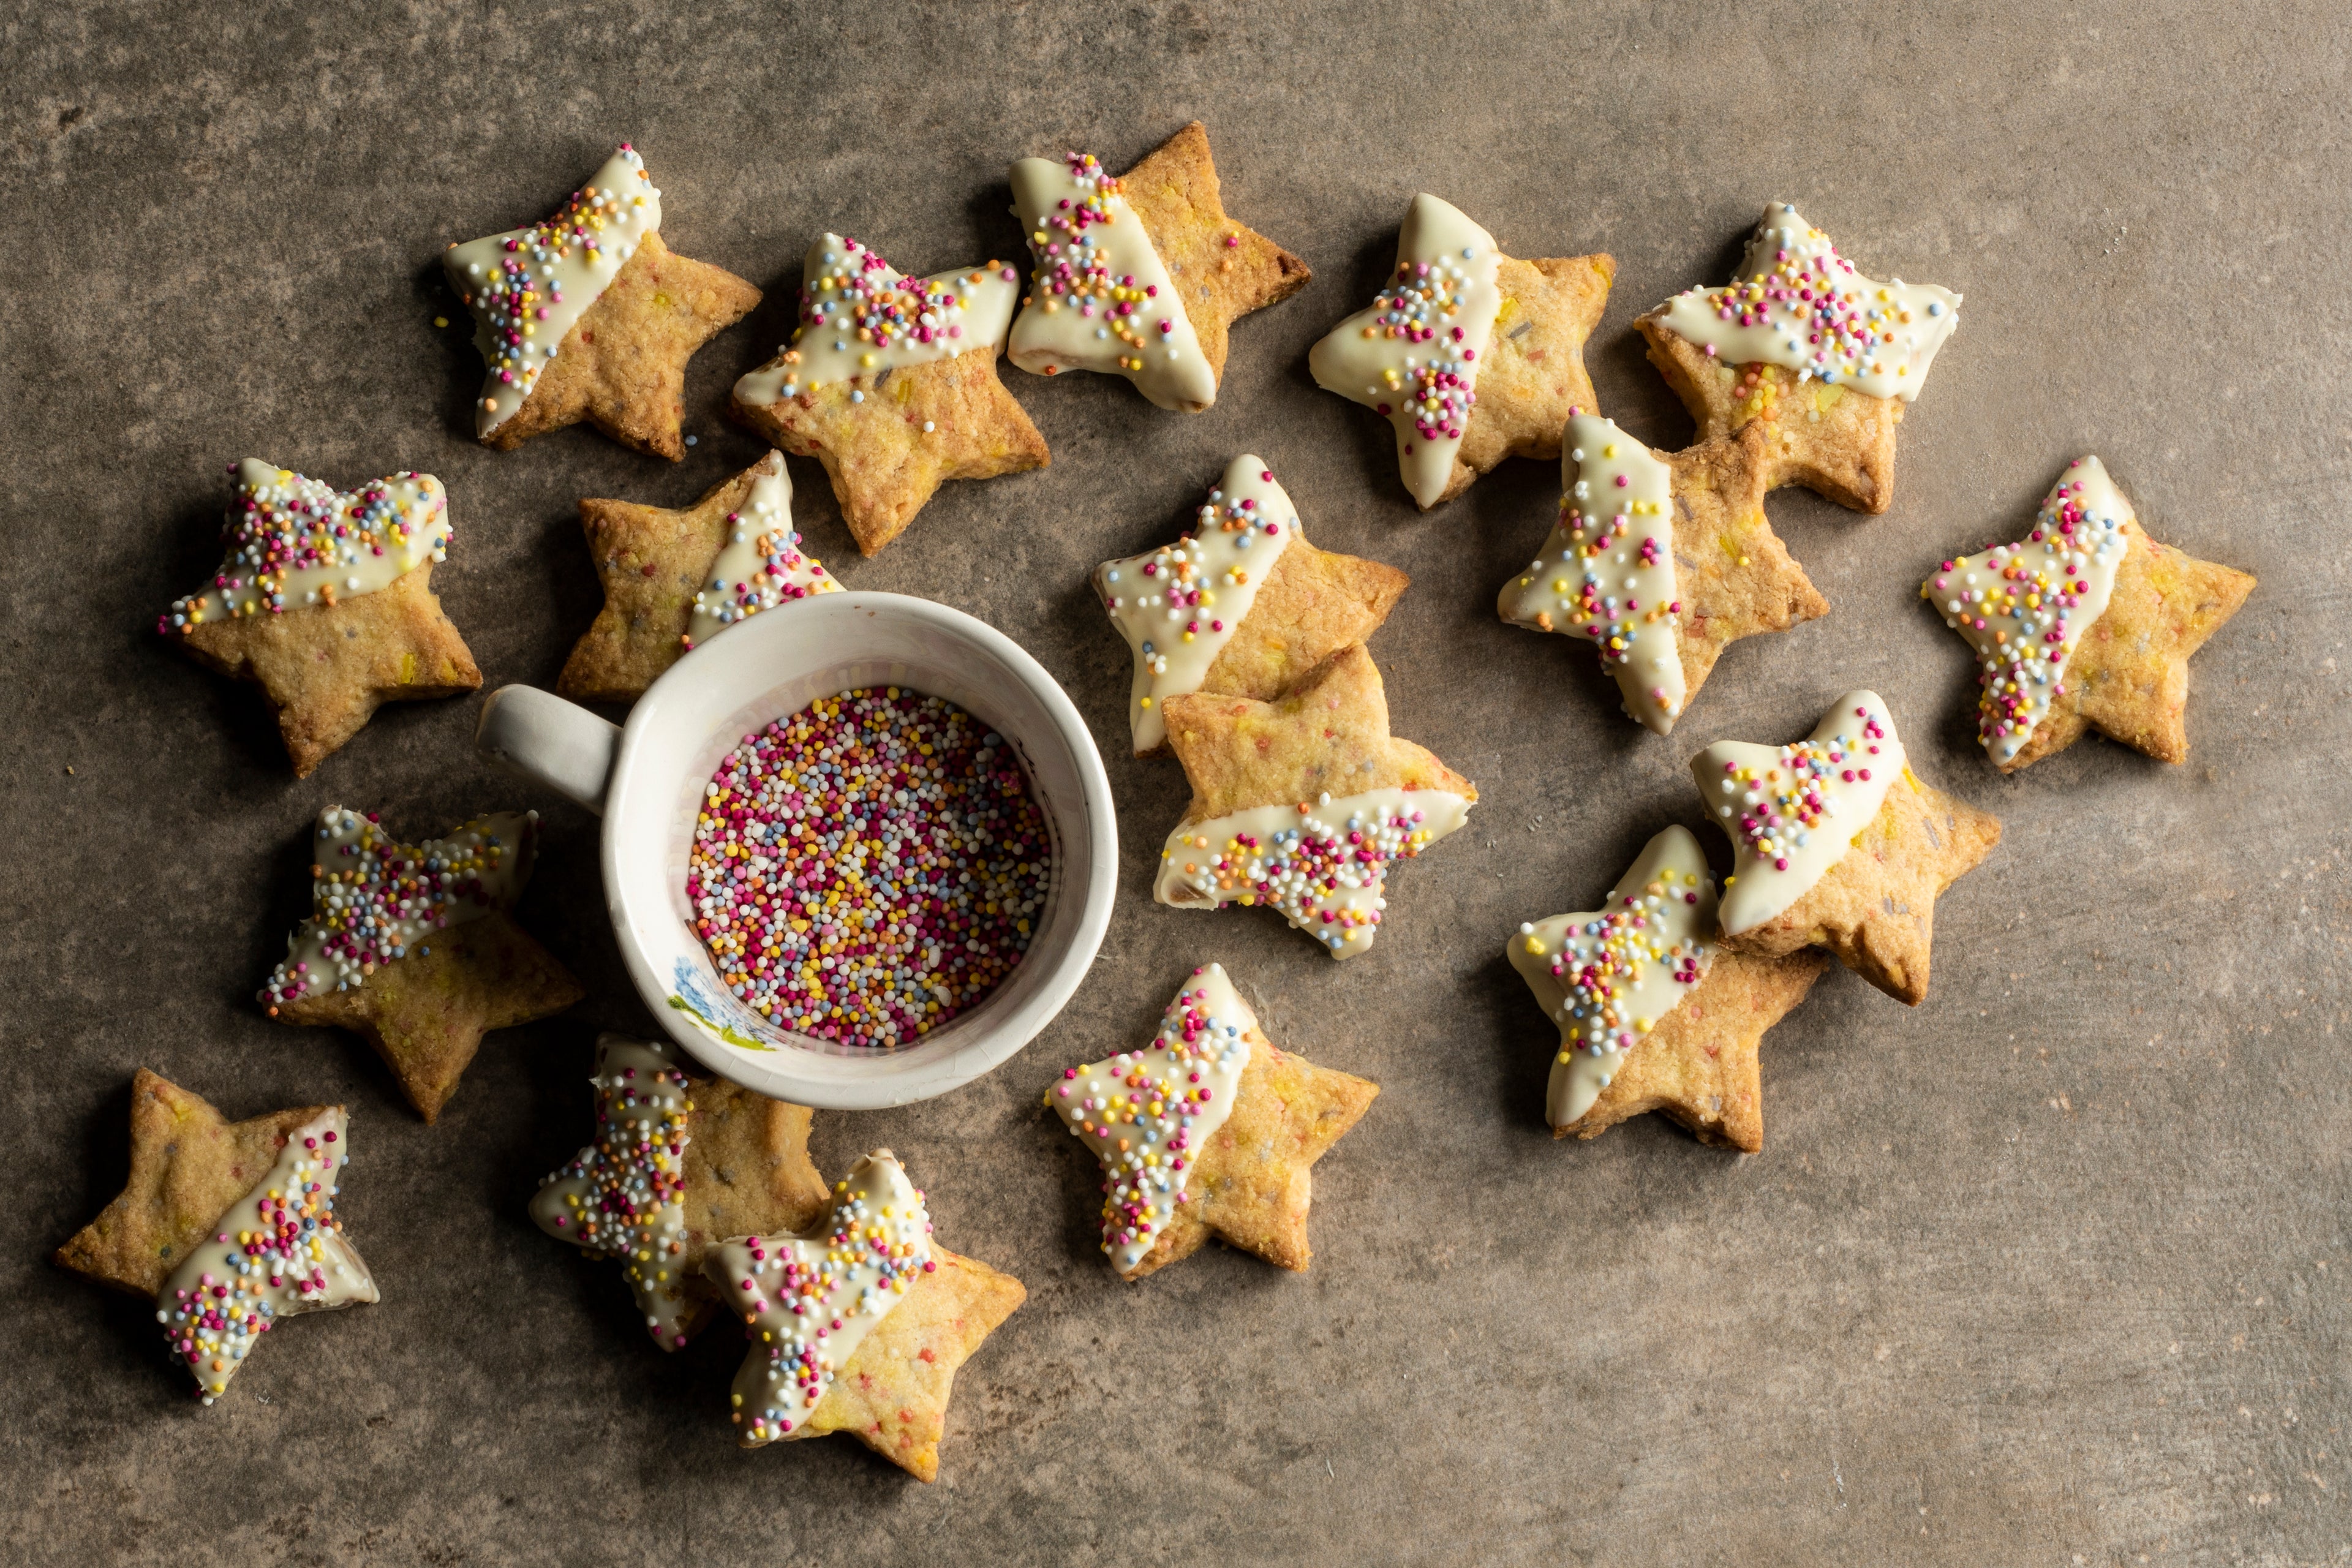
(2050, 1270)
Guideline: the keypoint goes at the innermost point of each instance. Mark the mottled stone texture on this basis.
(2049, 1270)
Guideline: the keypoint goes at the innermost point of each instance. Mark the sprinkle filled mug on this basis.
(649, 779)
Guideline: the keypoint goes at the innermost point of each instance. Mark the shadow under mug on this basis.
(648, 778)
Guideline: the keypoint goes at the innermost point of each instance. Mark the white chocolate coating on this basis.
(276, 1253)
(1797, 303)
(2025, 608)
(529, 287)
(373, 898)
(808, 1303)
(1282, 856)
(296, 542)
(622, 1196)
(1793, 811)
(1413, 356)
(1100, 298)
(1179, 605)
(1608, 977)
(861, 319)
(1147, 1114)
(1607, 573)
(761, 566)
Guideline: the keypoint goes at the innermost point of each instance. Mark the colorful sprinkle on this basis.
(869, 868)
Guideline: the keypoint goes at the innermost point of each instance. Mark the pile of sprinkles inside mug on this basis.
(868, 868)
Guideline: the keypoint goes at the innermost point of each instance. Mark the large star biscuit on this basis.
(1823, 358)
(891, 382)
(859, 1325)
(2085, 624)
(1110, 257)
(1242, 604)
(1653, 1013)
(589, 316)
(673, 579)
(1208, 1129)
(1304, 803)
(679, 1166)
(1471, 355)
(230, 1226)
(325, 601)
(412, 946)
(1662, 562)
(1836, 844)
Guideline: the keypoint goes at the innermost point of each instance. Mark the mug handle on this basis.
(557, 743)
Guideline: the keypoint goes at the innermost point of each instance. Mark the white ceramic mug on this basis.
(647, 781)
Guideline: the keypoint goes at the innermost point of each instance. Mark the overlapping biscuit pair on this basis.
(229, 1226)
(1663, 994)
(678, 1164)
(705, 1193)
(325, 601)
(2085, 624)
(1250, 664)
(1208, 1129)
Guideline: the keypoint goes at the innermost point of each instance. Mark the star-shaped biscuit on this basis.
(1141, 276)
(325, 601)
(1813, 870)
(412, 947)
(1665, 570)
(1242, 604)
(868, 1278)
(1221, 268)
(1304, 803)
(1471, 355)
(729, 555)
(679, 1166)
(890, 382)
(1823, 358)
(229, 1226)
(589, 316)
(1210, 1130)
(2087, 622)
(1653, 1013)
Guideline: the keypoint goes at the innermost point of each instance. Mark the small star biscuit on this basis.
(1837, 845)
(673, 580)
(589, 316)
(2086, 623)
(230, 1226)
(1662, 561)
(412, 946)
(891, 382)
(1823, 358)
(679, 1166)
(1242, 604)
(325, 601)
(1653, 1013)
(1111, 256)
(859, 1325)
(1472, 356)
(1210, 1130)
(1302, 804)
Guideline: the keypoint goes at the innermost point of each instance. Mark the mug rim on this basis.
(1002, 1038)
